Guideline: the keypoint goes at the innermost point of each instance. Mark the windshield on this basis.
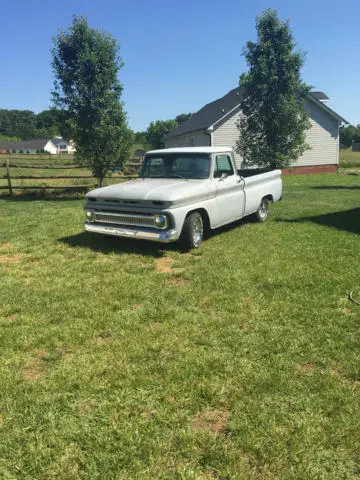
(176, 165)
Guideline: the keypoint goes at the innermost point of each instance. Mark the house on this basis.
(63, 146)
(215, 125)
(28, 146)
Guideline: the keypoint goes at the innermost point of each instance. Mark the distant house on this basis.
(356, 147)
(63, 146)
(28, 146)
(215, 125)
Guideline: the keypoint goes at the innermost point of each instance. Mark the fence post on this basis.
(8, 176)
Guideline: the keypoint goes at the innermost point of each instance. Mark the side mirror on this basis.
(223, 176)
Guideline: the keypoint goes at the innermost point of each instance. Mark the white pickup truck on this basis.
(181, 193)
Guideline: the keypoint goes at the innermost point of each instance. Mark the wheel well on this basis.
(269, 197)
(205, 216)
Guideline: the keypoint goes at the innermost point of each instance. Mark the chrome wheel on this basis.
(263, 210)
(197, 232)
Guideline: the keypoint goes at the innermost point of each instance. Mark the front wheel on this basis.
(192, 232)
(262, 212)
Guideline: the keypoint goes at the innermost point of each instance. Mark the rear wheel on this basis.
(192, 232)
(262, 212)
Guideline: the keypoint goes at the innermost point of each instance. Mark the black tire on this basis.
(192, 232)
(262, 212)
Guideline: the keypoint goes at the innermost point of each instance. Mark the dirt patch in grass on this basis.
(65, 353)
(212, 420)
(102, 339)
(10, 258)
(334, 372)
(34, 366)
(244, 327)
(155, 326)
(306, 367)
(177, 282)
(5, 246)
(163, 264)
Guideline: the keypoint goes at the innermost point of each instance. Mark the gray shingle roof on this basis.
(319, 95)
(58, 141)
(214, 111)
(37, 144)
(209, 114)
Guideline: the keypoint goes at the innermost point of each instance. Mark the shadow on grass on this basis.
(347, 220)
(336, 187)
(108, 244)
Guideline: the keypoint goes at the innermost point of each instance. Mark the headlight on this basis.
(90, 216)
(160, 221)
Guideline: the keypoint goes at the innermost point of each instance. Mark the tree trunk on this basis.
(100, 181)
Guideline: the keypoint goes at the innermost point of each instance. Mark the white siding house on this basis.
(28, 146)
(63, 146)
(216, 125)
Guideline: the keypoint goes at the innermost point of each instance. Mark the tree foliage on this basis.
(183, 117)
(157, 130)
(274, 121)
(349, 135)
(86, 64)
(25, 124)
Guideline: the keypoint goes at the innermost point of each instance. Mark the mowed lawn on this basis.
(124, 360)
(349, 159)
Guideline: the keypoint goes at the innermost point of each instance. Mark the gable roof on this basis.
(215, 111)
(58, 141)
(37, 144)
(209, 114)
(319, 95)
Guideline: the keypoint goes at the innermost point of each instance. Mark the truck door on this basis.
(230, 195)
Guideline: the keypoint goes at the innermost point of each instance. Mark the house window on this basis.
(62, 147)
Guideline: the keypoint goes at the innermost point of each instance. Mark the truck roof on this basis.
(193, 150)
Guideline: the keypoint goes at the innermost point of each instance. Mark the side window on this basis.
(223, 165)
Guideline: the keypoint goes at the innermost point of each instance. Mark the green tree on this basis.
(18, 123)
(274, 120)
(347, 135)
(157, 130)
(183, 117)
(86, 64)
(48, 122)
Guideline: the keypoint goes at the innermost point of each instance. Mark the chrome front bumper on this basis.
(166, 236)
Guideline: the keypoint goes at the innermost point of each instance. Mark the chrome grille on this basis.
(125, 219)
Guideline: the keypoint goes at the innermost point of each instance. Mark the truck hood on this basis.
(167, 190)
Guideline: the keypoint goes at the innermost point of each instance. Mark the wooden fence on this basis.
(10, 186)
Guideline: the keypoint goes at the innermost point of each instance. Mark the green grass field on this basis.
(349, 159)
(48, 161)
(125, 360)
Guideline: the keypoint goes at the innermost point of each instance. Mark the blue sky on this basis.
(179, 55)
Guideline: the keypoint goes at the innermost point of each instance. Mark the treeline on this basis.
(154, 136)
(349, 135)
(26, 125)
